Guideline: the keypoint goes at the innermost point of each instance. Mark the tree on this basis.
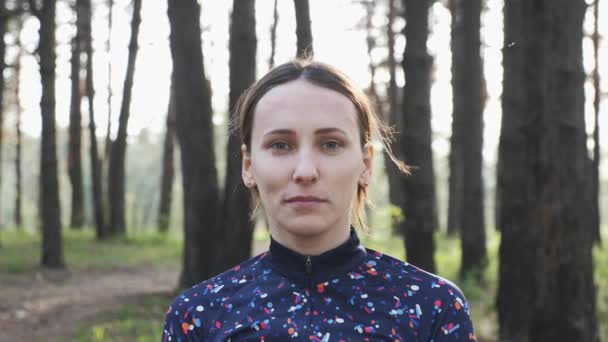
(116, 186)
(467, 134)
(545, 266)
(303, 30)
(168, 172)
(75, 130)
(3, 27)
(50, 207)
(595, 187)
(96, 170)
(418, 204)
(273, 34)
(18, 217)
(392, 118)
(195, 136)
(237, 226)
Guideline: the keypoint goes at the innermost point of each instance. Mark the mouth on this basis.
(305, 199)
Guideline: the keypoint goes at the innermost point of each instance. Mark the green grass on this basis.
(140, 321)
(20, 251)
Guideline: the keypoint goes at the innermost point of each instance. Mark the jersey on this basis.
(349, 293)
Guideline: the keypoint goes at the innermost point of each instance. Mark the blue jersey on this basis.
(346, 294)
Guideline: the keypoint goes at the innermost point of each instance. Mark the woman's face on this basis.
(306, 159)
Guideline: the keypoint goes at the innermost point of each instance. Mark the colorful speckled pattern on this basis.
(347, 294)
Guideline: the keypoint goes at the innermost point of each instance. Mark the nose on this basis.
(306, 169)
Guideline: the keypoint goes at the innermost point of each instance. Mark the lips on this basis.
(304, 199)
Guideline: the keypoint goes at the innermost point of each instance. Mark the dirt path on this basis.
(47, 306)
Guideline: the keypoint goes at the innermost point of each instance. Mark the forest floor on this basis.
(56, 305)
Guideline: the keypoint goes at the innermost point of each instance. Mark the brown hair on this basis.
(325, 76)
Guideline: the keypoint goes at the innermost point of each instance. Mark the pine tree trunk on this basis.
(273, 34)
(393, 119)
(419, 189)
(52, 248)
(545, 265)
(303, 30)
(467, 84)
(195, 136)
(17, 215)
(96, 170)
(595, 187)
(75, 131)
(3, 28)
(108, 142)
(168, 173)
(119, 146)
(235, 221)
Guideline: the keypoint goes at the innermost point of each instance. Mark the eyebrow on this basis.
(318, 131)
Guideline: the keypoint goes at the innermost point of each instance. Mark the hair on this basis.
(325, 76)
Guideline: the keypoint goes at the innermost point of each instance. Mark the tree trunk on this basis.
(3, 28)
(418, 189)
(18, 217)
(75, 131)
(303, 30)
(467, 129)
(52, 248)
(235, 221)
(545, 265)
(96, 170)
(168, 173)
(273, 34)
(391, 117)
(459, 101)
(195, 136)
(108, 143)
(595, 187)
(119, 146)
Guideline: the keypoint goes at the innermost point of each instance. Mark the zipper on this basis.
(310, 293)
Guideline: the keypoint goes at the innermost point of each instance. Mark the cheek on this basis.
(268, 174)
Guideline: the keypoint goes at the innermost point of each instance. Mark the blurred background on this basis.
(118, 172)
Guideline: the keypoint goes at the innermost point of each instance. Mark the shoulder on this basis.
(432, 299)
(192, 313)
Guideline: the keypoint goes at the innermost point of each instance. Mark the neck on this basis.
(314, 244)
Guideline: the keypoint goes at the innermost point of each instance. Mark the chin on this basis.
(306, 226)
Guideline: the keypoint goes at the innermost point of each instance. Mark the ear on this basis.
(368, 162)
(246, 173)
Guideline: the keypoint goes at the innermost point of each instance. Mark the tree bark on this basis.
(195, 136)
(303, 30)
(544, 177)
(168, 173)
(52, 247)
(96, 170)
(108, 143)
(75, 130)
(3, 28)
(119, 146)
(418, 204)
(18, 217)
(394, 120)
(273, 34)
(235, 221)
(595, 187)
(467, 132)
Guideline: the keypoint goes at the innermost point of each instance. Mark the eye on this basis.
(332, 145)
(279, 146)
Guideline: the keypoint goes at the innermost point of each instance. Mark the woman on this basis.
(307, 160)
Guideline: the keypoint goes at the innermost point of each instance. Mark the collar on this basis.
(318, 268)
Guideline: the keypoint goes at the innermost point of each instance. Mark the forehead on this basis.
(300, 104)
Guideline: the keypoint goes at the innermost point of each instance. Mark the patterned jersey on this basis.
(346, 294)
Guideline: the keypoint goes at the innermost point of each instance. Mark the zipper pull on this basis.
(308, 265)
